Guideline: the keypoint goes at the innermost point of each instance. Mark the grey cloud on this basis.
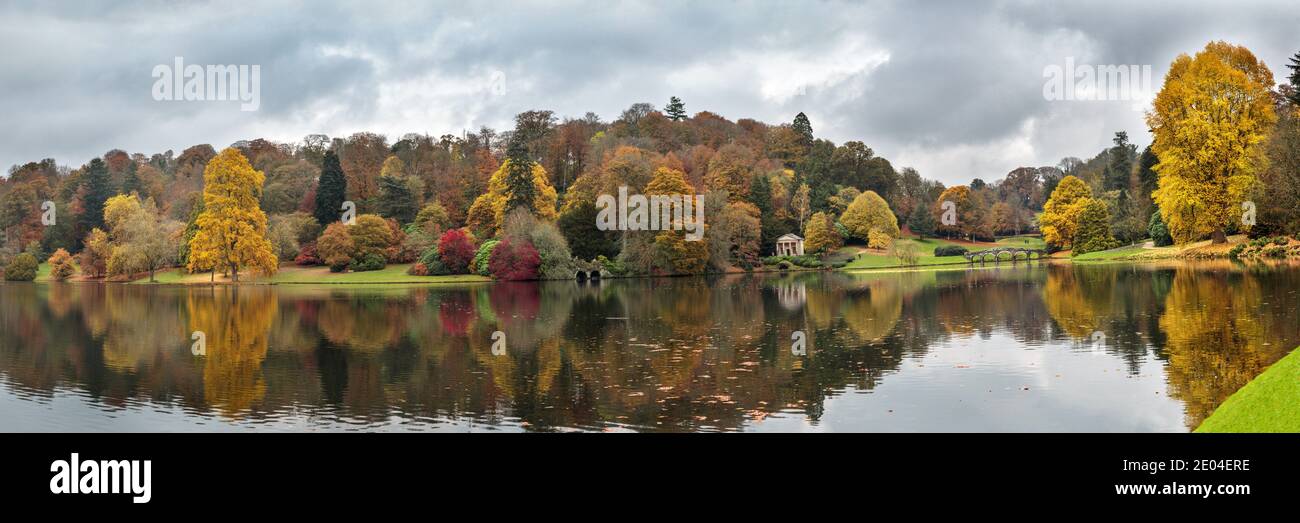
(959, 96)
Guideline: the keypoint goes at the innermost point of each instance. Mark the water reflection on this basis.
(1025, 347)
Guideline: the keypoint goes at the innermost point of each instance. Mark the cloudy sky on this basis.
(954, 89)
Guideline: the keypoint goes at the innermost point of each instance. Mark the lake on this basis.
(1033, 346)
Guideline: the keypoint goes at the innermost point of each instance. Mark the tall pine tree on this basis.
(676, 110)
(97, 189)
(804, 128)
(396, 200)
(520, 191)
(922, 222)
(760, 194)
(331, 190)
(1121, 163)
(131, 181)
(1294, 66)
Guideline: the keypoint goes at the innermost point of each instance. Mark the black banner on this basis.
(325, 472)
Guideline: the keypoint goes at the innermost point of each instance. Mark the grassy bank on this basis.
(862, 258)
(1266, 404)
(1146, 252)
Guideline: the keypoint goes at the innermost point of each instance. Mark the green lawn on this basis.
(1129, 252)
(1266, 404)
(925, 249)
(43, 272)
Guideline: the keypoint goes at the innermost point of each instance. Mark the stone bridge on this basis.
(996, 254)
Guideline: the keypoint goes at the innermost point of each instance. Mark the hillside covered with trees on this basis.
(520, 203)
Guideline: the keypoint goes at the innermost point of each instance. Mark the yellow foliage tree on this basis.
(232, 228)
(686, 257)
(869, 213)
(1060, 216)
(820, 235)
(1209, 122)
(488, 211)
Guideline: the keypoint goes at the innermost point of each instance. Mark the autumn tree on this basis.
(731, 170)
(335, 246)
(1209, 122)
(61, 265)
(371, 237)
(869, 213)
(820, 236)
(971, 211)
(95, 252)
(232, 228)
(686, 257)
(1061, 213)
(432, 218)
(362, 158)
(142, 240)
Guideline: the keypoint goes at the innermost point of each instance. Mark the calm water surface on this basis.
(1025, 347)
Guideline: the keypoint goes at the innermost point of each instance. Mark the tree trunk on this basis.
(234, 273)
(1219, 237)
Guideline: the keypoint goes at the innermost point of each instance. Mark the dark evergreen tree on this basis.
(396, 200)
(676, 110)
(191, 229)
(578, 225)
(1294, 78)
(815, 170)
(804, 128)
(1158, 231)
(331, 190)
(922, 222)
(1120, 165)
(519, 176)
(760, 194)
(131, 180)
(97, 189)
(1147, 179)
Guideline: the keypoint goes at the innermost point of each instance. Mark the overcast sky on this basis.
(954, 89)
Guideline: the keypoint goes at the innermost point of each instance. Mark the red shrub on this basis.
(510, 261)
(418, 270)
(307, 255)
(456, 251)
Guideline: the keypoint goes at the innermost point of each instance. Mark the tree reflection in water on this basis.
(651, 354)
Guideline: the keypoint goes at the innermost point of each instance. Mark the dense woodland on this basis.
(519, 203)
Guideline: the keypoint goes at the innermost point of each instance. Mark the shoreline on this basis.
(395, 274)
